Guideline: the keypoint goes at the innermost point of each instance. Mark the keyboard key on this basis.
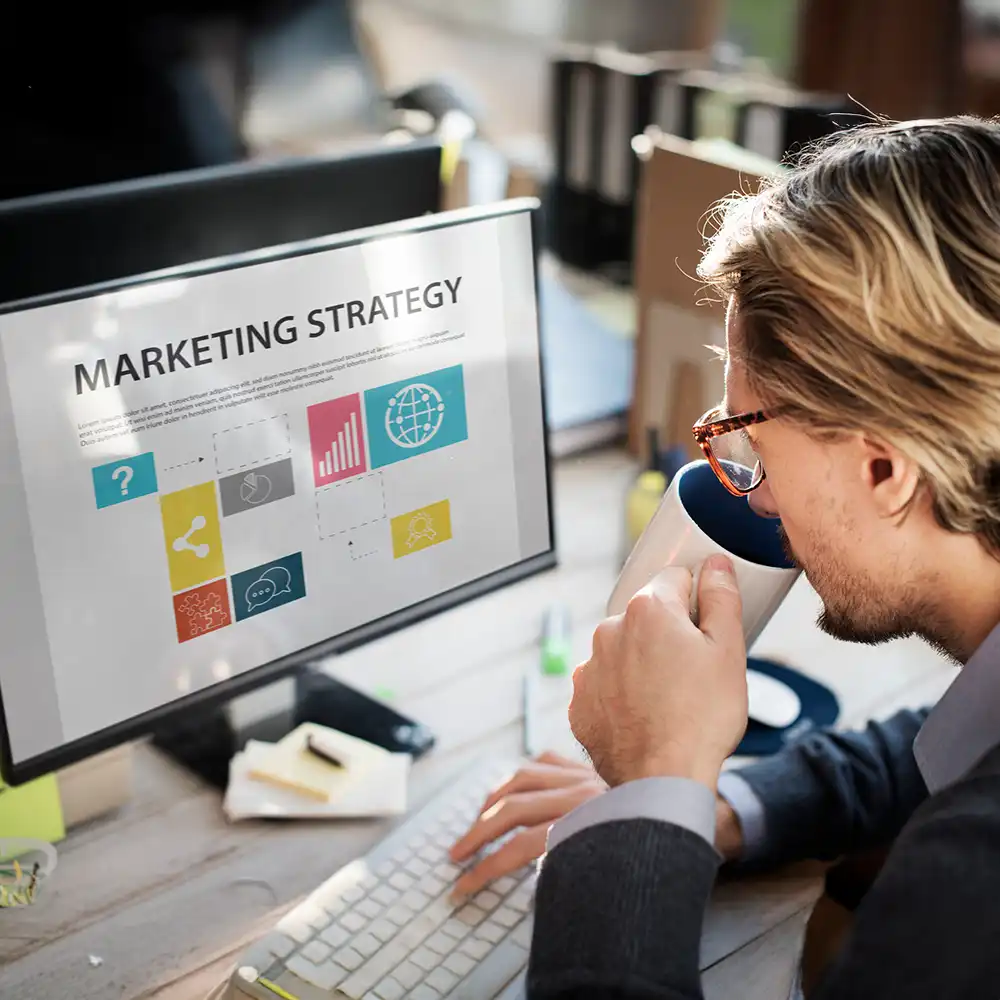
(425, 959)
(522, 934)
(298, 930)
(368, 908)
(442, 980)
(487, 900)
(400, 915)
(335, 906)
(447, 873)
(476, 947)
(431, 885)
(402, 882)
(458, 963)
(401, 856)
(389, 989)
(367, 944)
(384, 870)
(423, 992)
(384, 895)
(335, 936)
(415, 900)
(408, 974)
(456, 929)
(353, 894)
(415, 843)
(316, 951)
(503, 885)
(382, 929)
(445, 839)
(440, 942)
(471, 915)
(353, 922)
(349, 959)
(417, 867)
(491, 932)
(521, 900)
(431, 853)
(506, 917)
(325, 976)
(367, 882)
(279, 945)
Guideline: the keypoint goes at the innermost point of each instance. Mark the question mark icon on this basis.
(126, 472)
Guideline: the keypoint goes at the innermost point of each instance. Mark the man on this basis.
(863, 341)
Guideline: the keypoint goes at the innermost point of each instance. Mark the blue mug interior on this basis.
(729, 521)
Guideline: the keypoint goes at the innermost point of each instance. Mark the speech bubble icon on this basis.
(281, 578)
(259, 593)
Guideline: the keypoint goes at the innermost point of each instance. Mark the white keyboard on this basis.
(384, 927)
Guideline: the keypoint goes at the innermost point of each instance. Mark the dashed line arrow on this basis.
(194, 461)
(357, 556)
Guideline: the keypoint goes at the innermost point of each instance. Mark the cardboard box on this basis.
(677, 376)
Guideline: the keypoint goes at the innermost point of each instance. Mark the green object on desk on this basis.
(555, 645)
(32, 810)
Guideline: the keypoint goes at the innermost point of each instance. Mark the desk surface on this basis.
(166, 892)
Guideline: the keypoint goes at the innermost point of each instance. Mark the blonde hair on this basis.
(867, 279)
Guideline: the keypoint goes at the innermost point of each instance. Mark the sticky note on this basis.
(32, 810)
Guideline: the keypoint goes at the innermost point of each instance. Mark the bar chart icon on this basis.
(337, 439)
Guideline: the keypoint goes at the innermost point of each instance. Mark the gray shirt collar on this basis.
(965, 724)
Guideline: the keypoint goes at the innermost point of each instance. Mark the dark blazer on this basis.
(620, 906)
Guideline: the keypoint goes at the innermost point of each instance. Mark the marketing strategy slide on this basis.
(224, 468)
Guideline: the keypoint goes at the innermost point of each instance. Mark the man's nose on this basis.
(762, 501)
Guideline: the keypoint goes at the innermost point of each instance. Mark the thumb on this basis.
(720, 608)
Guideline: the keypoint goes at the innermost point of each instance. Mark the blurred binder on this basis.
(786, 123)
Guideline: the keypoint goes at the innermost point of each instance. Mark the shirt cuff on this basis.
(680, 801)
(749, 811)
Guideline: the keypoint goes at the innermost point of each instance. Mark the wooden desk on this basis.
(166, 892)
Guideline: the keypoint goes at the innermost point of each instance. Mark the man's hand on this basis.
(661, 696)
(539, 793)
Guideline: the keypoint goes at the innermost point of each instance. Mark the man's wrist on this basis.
(728, 831)
(676, 763)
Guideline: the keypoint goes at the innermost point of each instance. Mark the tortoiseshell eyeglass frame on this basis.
(711, 425)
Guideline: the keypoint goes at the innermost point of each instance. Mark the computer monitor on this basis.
(215, 474)
(85, 236)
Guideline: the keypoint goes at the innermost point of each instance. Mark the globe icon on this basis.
(414, 415)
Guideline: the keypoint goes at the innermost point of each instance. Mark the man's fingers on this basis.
(538, 777)
(719, 604)
(521, 849)
(522, 809)
(551, 757)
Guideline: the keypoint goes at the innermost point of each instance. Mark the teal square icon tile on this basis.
(415, 415)
(124, 479)
(268, 586)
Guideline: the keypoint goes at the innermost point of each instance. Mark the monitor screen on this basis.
(209, 471)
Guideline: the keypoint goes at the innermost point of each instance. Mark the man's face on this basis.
(823, 493)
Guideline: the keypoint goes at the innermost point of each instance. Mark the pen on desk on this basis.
(276, 989)
(530, 706)
(251, 976)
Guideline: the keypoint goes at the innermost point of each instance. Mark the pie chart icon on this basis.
(255, 488)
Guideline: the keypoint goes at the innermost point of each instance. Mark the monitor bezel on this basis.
(217, 694)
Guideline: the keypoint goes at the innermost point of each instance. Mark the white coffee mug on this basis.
(698, 517)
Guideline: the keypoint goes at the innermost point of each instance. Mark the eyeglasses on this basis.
(725, 443)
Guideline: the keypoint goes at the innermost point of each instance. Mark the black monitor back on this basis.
(55, 242)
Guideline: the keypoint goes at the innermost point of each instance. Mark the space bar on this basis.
(492, 974)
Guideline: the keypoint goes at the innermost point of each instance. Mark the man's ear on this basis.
(892, 477)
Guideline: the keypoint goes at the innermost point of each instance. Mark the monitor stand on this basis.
(205, 740)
